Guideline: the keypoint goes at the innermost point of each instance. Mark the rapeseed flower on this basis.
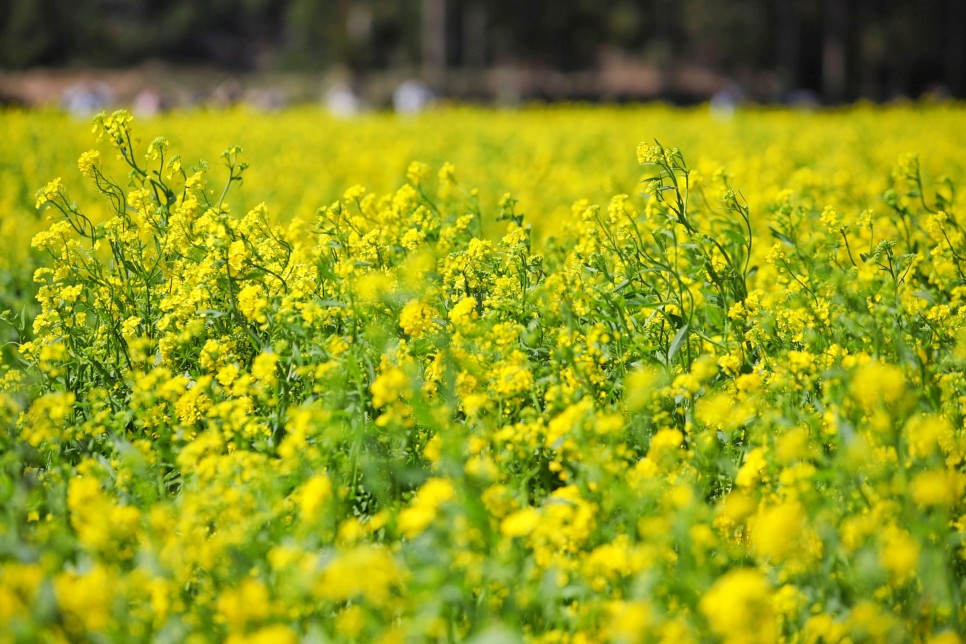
(648, 414)
(738, 607)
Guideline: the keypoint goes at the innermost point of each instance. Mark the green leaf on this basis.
(777, 234)
(676, 343)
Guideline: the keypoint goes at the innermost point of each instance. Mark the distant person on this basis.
(726, 100)
(412, 97)
(84, 99)
(342, 101)
(147, 103)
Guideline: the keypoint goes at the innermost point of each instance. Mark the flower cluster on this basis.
(685, 416)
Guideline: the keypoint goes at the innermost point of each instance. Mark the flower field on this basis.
(485, 376)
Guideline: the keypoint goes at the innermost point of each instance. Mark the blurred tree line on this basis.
(840, 49)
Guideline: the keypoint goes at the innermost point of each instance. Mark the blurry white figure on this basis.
(411, 97)
(84, 99)
(269, 99)
(147, 103)
(342, 101)
(227, 93)
(802, 99)
(726, 100)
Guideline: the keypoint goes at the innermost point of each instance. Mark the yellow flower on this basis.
(237, 254)
(877, 383)
(365, 572)
(227, 375)
(463, 312)
(389, 386)
(417, 173)
(639, 385)
(716, 411)
(781, 534)
(264, 367)
(447, 180)
(416, 319)
(19, 585)
(246, 604)
(665, 447)
(274, 634)
(788, 600)
(129, 327)
(350, 622)
(156, 149)
(738, 607)
(926, 434)
(629, 621)
(938, 487)
(899, 554)
(85, 599)
(512, 379)
(520, 523)
(647, 153)
(49, 192)
(830, 219)
(173, 166)
(87, 163)
(313, 495)
(425, 506)
(823, 628)
(751, 470)
(252, 303)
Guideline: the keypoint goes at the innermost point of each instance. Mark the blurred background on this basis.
(402, 54)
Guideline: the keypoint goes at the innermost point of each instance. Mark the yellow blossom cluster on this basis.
(668, 402)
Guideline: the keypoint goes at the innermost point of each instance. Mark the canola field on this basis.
(569, 374)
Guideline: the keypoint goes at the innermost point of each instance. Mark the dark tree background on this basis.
(838, 49)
